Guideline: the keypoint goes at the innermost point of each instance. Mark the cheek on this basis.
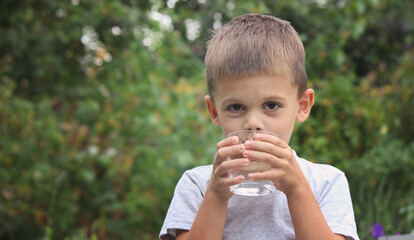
(228, 128)
(287, 134)
(227, 125)
(282, 126)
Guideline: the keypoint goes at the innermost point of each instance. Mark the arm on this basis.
(307, 218)
(211, 216)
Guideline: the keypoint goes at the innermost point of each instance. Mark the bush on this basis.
(101, 109)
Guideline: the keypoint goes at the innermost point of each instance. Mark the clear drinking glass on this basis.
(249, 187)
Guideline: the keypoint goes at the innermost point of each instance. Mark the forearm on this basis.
(210, 218)
(307, 218)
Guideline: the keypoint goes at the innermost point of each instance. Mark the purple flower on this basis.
(377, 230)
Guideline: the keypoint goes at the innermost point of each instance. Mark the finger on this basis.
(271, 139)
(224, 153)
(267, 175)
(269, 147)
(259, 156)
(272, 175)
(228, 142)
(226, 166)
(220, 155)
(227, 182)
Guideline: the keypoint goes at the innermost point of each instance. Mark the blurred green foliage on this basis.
(101, 108)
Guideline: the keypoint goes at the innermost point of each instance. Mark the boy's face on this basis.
(259, 103)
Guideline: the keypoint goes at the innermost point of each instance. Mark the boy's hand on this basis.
(285, 173)
(220, 182)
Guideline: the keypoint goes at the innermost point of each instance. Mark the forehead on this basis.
(259, 86)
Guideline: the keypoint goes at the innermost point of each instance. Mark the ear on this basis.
(305, 105)
(212, 110)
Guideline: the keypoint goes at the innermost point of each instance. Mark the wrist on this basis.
(211, 215)
(215, 197)
(299, 190)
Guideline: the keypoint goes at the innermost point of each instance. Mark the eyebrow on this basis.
(268, 98)
(230, 100)
(275, 97)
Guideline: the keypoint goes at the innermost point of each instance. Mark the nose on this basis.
(253, 122)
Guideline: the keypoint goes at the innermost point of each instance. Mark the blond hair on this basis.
(255, 44)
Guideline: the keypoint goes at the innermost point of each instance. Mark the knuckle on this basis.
(222, 183)
(284, 165)
(233, 181)
(224, 166)
(219, 169)
(269, 158)
(220, 153)
(216, 170)
(268, 175)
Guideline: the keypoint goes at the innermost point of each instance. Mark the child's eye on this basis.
(271, 106)
(236, 108)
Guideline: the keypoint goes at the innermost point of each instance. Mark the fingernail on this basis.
(245, 160)
(246, 153)
(241, 147)
(248, 143)
(250, 175)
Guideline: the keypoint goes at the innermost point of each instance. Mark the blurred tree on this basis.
(101, 108)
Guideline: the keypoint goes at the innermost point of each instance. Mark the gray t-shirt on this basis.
(264, 217)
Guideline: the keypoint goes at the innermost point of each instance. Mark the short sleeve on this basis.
(184, 206)
(336, 205)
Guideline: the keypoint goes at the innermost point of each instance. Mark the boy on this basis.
(256, 79)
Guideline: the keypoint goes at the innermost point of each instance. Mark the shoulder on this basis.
(317, 171)
(323, 178)
(201, 173)
(196, 178)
